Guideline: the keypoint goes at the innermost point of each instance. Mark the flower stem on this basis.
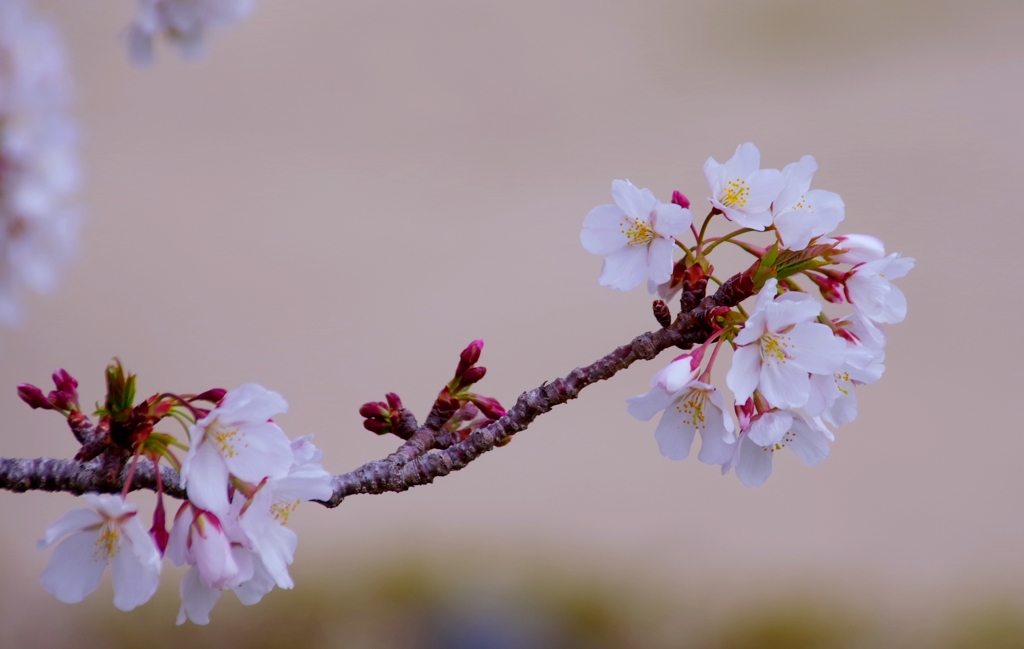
(728, 237)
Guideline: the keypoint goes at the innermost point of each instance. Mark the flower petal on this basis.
(659, 260)
(624, 270)
(755, 463)
(745, 373)
(250, 403)
(816, 349)
(196, 599)
(784, 385)
(135, 569)
(208, 479)
(671, 219)
(75, 567)
(645, 406)
(770, 427)
(674, 434)
(262, 450)
(75, 520)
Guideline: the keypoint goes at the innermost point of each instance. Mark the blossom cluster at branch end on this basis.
(794, 369)
(243, 477)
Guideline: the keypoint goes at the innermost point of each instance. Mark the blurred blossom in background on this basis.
(339, 196)
(38, 157)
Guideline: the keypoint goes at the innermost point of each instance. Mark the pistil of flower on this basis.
(691, 406)
(638, 232)
(773, 349)
(224, 439)
(108, 541)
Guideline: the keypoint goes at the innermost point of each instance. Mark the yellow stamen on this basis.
(637, 232)
(108, 542)
(735, 194)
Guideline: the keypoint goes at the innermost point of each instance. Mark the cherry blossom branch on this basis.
(395, 473)
(428, 451)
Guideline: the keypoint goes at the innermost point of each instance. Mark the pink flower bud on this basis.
(472, 375)
(214, 396)
(470, 355)
(375, 410)
(488, 406)
(377, 426)
(831, 289)
(681, 200)
(394, 401)
(159, 530)
(34, 397)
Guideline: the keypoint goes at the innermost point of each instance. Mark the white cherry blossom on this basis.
(635, 236)
(832, 395)
(741, 189)
(773, 431)
(779, 345)
(237, 439)
(690, 406)
(802, 213)
(109, 534)
(869, 288)
(184, 23)
(264, 519)
(38, 158)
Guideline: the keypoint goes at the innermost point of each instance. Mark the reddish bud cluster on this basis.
(64, 398)
(380, 415)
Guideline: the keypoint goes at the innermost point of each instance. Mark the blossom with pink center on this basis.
(265, 517)
(779, 346)
(869, 288)
(184, 23)
(635, 236)
(108, 534)
(773, 431)
(741, 189)
(801, 213)
(832, 395)
(235, 438)
(690, 406)
(219, 555)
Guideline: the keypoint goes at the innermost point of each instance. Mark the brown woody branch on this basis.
(428, 452)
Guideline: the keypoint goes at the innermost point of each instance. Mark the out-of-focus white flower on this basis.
(38, 158)
(802, 213)
(235, 438)
(741, 189)
(870, 288)
(108, 534)
(690, 406)
(184, 23)
(779, 345)
(634, 236)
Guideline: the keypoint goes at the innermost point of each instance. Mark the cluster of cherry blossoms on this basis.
(242, 475)
(183, 23)
(794, 369)
(38, 158)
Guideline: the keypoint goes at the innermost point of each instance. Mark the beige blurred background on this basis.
(341, 195)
